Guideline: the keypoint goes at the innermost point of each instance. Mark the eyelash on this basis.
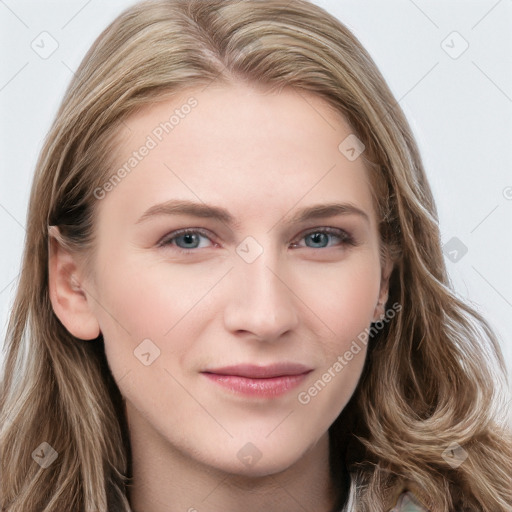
(345, 238)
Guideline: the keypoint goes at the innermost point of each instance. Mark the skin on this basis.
(263, 157)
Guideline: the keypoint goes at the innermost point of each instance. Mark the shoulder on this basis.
(408, 502)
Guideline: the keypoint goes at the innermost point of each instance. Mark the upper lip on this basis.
(252, 371)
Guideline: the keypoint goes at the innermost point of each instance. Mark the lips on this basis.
(251, 371)
(259, 381)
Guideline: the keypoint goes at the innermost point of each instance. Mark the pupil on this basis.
(318, 238)
(189, 239)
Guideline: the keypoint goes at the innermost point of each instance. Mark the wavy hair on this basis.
(432, 376)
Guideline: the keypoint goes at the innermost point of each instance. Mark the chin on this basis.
(260, 458)
(260, 469)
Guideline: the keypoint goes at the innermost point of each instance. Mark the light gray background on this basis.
(459, 105)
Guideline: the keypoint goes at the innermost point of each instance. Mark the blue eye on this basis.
(190, 240)
(320, 238)
(187, 240)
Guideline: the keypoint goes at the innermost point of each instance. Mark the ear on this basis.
(69, 301)
(380, 308)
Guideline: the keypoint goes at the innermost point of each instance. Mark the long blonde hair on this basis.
(431, 374)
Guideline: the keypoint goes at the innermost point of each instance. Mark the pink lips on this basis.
(264, 381)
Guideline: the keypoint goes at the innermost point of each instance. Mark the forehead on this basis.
(239, 146)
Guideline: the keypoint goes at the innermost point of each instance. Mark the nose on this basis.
(261, 302)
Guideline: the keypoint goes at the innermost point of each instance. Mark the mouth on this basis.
(263, 381)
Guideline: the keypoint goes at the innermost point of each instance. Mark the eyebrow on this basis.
(203, 210)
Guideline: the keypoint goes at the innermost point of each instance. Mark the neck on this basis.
(168, 480)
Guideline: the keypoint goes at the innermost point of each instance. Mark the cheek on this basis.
(342, 296)
(139, 300)
(345, 305)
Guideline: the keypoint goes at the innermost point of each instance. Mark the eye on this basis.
(321, 238)
(186, 239)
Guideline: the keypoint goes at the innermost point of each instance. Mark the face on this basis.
(237, 261)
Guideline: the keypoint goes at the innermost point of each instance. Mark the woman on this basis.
(233, 292)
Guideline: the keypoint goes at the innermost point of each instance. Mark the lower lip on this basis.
(271, 387)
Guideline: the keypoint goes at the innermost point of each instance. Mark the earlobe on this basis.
(69, 300)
